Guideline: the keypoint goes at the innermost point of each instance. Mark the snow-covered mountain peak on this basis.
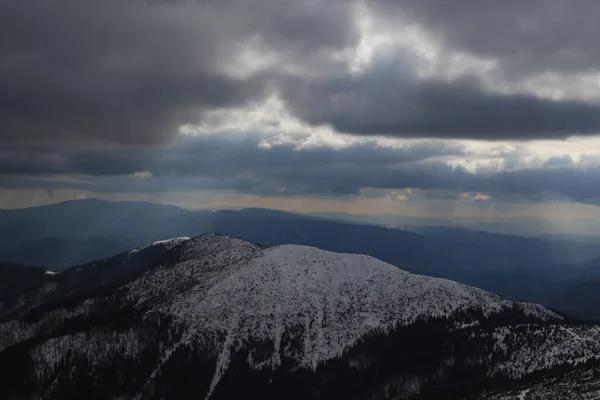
(215, 313)
(247, 292)
(212, 243)
(167, 244)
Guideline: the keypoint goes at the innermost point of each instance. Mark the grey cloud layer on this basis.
(239, 164)
(130, 72)
(525, 36)
(93, 91)
(221, 155)
(388, 100)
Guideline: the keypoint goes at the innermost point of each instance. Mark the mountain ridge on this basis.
(581, 300)
(219, 317)
(515, 267)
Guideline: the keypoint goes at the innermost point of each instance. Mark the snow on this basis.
(239, 291)
(540, 347)
(168, 243)
(229, 291)
(576, 385)
(48, 272)
(171, 242)
(94, 343)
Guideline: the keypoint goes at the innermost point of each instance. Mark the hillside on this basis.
(580, 301)
(519, 268)
(60, 253)
(218, 317)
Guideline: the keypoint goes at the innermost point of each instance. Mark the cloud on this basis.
(559, 161)
(93, 95)
(525, 37)
(387, 99)
(221, 154)
(132, 72)
(239, 163)
(142, 175)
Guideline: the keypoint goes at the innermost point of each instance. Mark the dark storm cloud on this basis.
(525, 36)
(132, 71)
(90, 91)
(388, 99)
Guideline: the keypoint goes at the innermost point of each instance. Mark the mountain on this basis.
(583, 384)
(579, 293)
(60, 253)
(578, 230)
(91, 218)
(570, 237)
(506, 251)
(18, 282)
(581, 300)
(24, 288)
(216, 317)
(522, 268)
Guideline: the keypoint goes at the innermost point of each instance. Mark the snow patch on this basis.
(168, 243)
(335, 298)
(523, 394)
(541, 348)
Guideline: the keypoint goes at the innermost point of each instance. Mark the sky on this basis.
(462, 108)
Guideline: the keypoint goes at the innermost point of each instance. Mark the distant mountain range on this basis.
(581, 300)
(60, 253)
(516, 267)
(216, 317)
(533, 227)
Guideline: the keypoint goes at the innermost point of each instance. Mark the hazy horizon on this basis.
(526, 226)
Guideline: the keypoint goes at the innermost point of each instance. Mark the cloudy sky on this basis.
(457, 107)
